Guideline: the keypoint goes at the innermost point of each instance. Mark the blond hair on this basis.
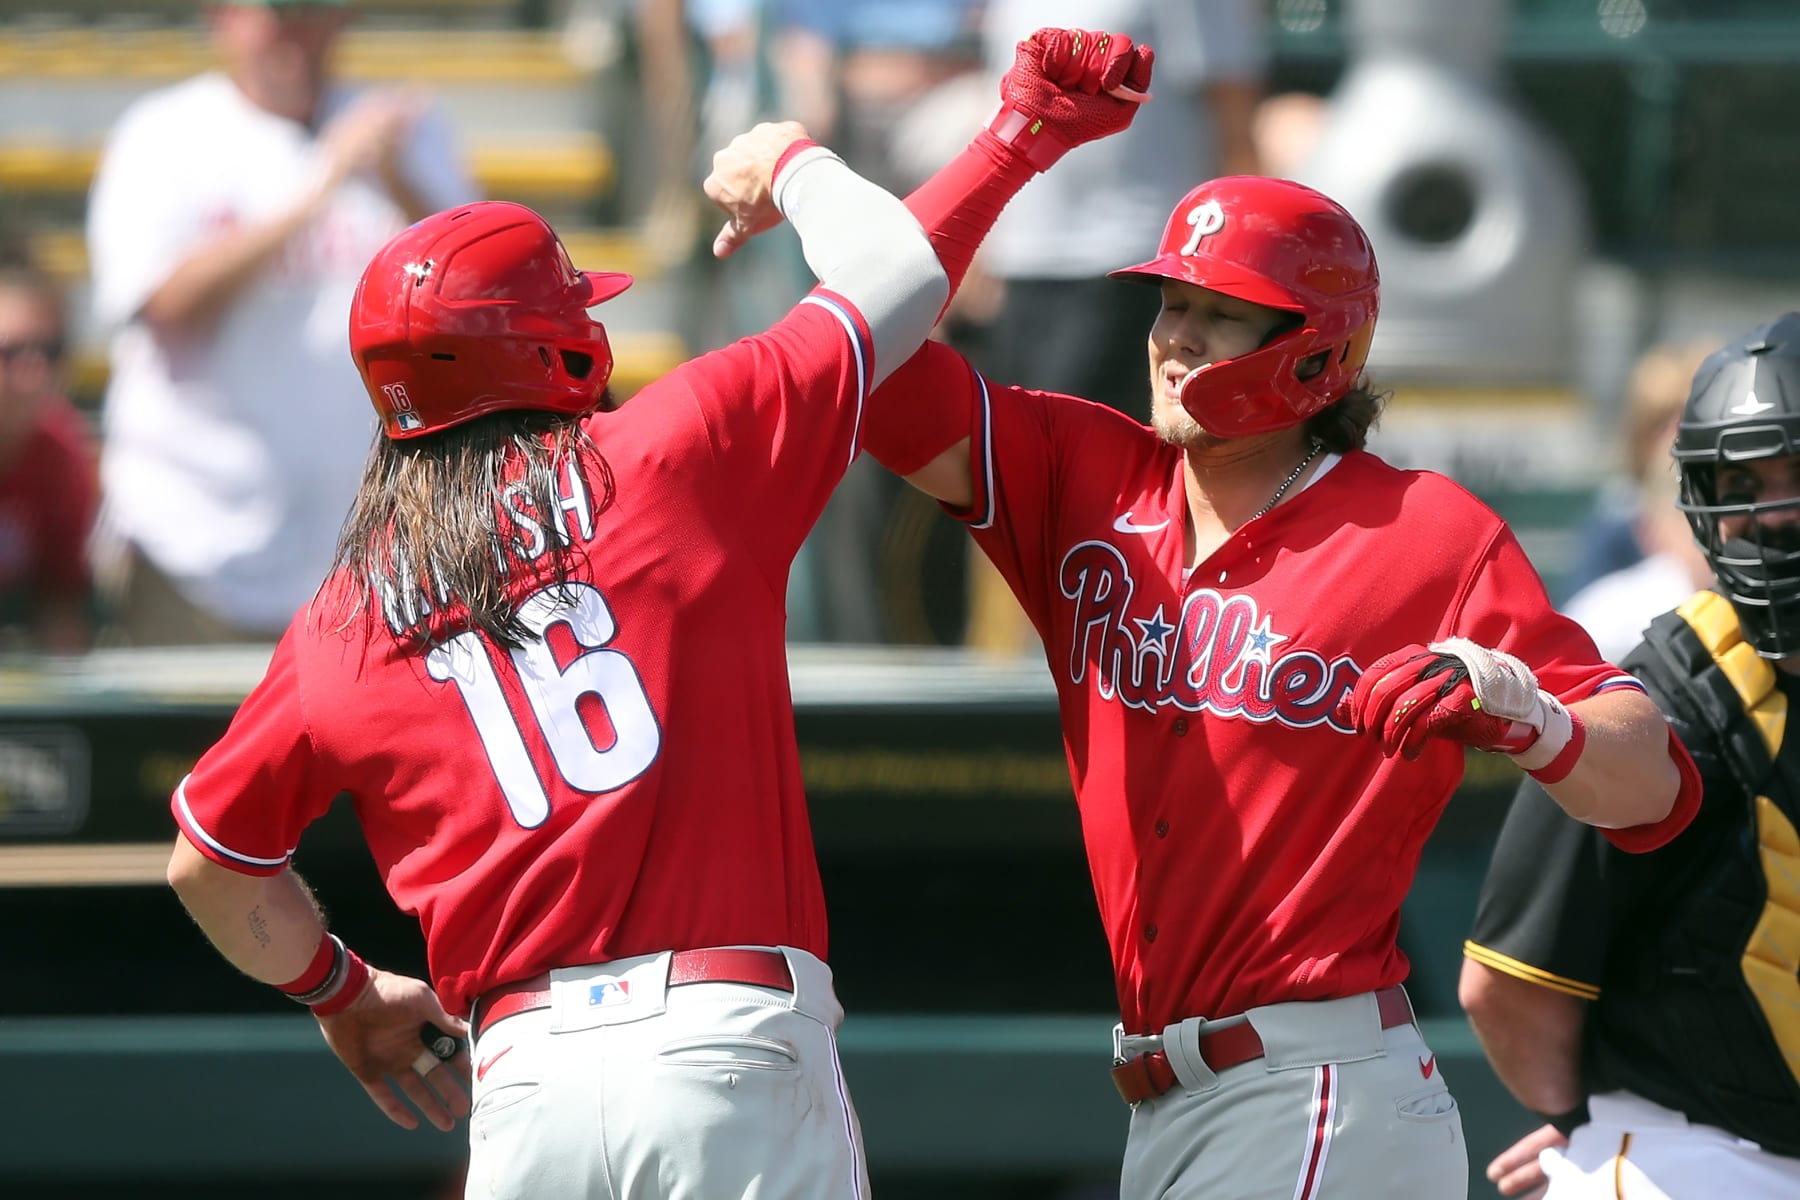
(1654, 397)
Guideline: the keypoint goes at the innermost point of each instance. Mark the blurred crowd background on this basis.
(1572, 201)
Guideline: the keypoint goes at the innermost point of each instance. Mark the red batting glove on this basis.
(1416, 694)
(1070, 86)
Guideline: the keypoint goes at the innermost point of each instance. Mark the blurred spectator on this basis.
(851, 70)
(856, 73)
(228, 224)
(1616, 608)
(1285, 129)
(47, 487)
(694, 112)
(1625, 517)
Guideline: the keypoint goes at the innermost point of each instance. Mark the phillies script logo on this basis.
(1217, 655)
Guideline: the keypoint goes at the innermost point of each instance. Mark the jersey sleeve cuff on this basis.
(980, 513)
(1507, 965)
(1640, 839)
(213, 848)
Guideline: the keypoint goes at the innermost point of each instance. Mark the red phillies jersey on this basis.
(630, 783)
(1247, 847)
(47, 501)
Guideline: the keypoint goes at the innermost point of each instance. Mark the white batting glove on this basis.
(1506, 688)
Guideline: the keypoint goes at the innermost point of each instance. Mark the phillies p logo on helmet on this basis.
(1207, 219)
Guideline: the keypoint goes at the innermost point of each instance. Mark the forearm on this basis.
(1530, 1034)
(1232, 103)
(668, 85)
(807, 76)
(1624, 775)
(960, 203)
(267, 926)
(401, 191)
(863, 244)
(202, 286)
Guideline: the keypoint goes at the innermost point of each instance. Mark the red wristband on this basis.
(794, 147)
(1558, 768)
(1029, 136)
(355, 979)
(317, 972)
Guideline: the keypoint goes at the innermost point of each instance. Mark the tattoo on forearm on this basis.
(259, 927)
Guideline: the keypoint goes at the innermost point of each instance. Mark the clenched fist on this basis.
(1070, 86)
(1461, 691)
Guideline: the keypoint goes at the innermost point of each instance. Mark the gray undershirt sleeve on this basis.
(862, 243)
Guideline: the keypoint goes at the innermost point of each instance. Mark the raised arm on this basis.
(1066, 87)
(859, 240)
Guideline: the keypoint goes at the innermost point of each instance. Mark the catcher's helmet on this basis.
(1745, 406)
(1280, 244)
(474, 310)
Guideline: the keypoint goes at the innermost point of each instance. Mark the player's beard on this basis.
(1176, 426)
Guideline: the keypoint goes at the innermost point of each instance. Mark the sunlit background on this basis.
(1571, 200)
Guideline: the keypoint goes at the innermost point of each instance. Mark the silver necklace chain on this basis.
(1289, 481)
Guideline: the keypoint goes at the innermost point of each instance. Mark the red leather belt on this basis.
(758, 968)
(1150, 1075)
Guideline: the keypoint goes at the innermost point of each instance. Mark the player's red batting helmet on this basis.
(1280, 244)
(474, 310)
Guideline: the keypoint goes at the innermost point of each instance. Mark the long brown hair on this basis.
(1344, 424)
(424, 548)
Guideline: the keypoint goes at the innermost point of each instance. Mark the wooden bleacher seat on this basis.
(641, 355)
(571, 167)
(449, 57)
(517, 100)
(495, 13)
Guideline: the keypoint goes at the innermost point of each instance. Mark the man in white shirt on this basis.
(230, 218)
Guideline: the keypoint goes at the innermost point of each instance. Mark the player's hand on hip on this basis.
(742, 182)
(378, 1038)
(1455, 690)
(1082, 84)
(1516, 1171)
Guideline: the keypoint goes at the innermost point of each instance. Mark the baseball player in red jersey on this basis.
(1271, 651)
(550, 672)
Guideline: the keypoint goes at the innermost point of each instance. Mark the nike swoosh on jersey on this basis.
(1426, 1065)
(482, 1070)
(1124, 525)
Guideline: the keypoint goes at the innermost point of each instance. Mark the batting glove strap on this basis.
(1557, 749)
(1543, 729)
(1029, 136)
(1069, 86)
